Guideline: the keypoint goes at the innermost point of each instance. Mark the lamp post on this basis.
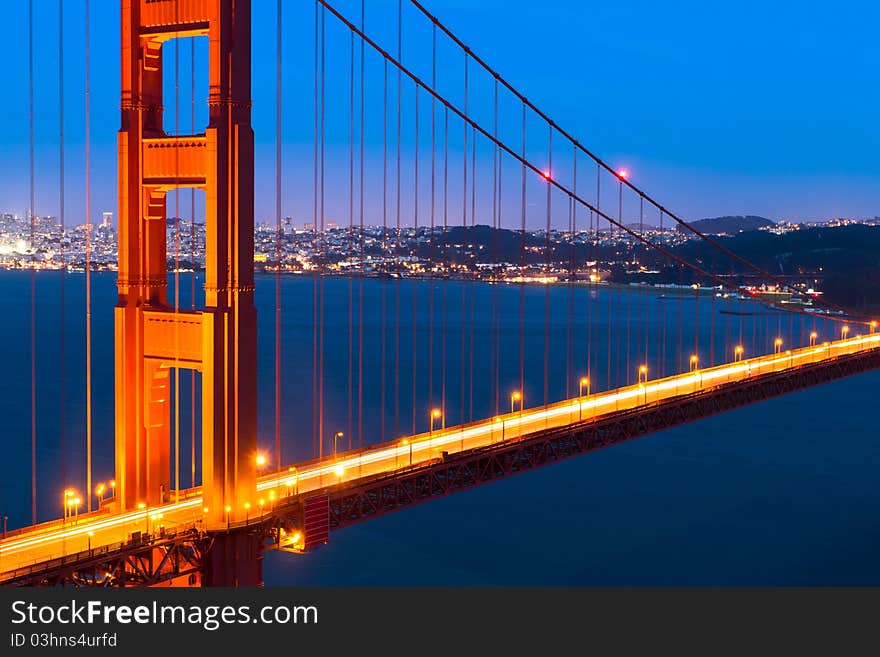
(408, 442)
(91, 534)
(643, 374)
(143, 507)
(113, 488)
(247, 513)
(872, 326)
(336, 436)
(436, 414)
(515, 396)
(844, 331)
(583, 384)
(99, 491)
(777, 345)
(292, 481)
(813, 337)
(65, 504)
(695, 361)
(228, 509)
(737, 353)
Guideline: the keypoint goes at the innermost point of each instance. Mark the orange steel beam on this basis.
(219, 341)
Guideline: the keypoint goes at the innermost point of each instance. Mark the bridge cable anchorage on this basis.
(608, 168)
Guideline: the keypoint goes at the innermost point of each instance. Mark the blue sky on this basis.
(716, 108)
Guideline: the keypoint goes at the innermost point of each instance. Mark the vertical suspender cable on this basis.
(322, 237)
(360, 386)
(464, 168)
(548, 256)
(176, 269)
(522, 264)
(493, 337)
(470, 281)
(572, 230)
(315, 239)
(383, 327)
(398, 263)
(350, 243)
(88, 209)
(415, 287)
(431, 235)
(278, 232)
(63, 271)
(192, 262)
(33, 271)
(445, 259)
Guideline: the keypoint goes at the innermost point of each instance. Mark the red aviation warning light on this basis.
(623, 174)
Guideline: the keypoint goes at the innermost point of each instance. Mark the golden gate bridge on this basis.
(140, 525)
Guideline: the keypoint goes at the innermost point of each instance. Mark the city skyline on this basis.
(709, 145)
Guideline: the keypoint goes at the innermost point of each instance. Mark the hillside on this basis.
(729, 225)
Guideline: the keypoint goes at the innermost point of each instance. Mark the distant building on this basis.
(107, 219)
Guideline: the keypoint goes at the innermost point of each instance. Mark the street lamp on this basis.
(515, 396)
(142, 506)
(247, 512)
(112, 488)
(91, 534)
(737, 353)
(872, 326)
(695, 360)
(73, 506)
(844, 331)
(436, 414)
(65, 502)
(292, 481)
(228, 509)
(584, 383)
(777, 345)
(407, 442)
(336, 437)
(643, 374)
(813, 337)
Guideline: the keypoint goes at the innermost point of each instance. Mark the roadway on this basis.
(102, 528)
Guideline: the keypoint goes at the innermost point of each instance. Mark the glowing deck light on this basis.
(261, 460)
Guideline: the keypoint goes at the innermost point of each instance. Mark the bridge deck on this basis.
(55, 540)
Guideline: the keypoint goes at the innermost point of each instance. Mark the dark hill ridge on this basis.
(729, 225)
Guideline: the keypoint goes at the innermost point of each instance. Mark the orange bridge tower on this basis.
(218, 341)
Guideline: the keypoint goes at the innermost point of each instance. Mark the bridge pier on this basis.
(235, 559)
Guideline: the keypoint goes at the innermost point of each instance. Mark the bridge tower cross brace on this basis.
(218, 341)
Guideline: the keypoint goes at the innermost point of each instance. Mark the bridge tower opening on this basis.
(151, 338)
